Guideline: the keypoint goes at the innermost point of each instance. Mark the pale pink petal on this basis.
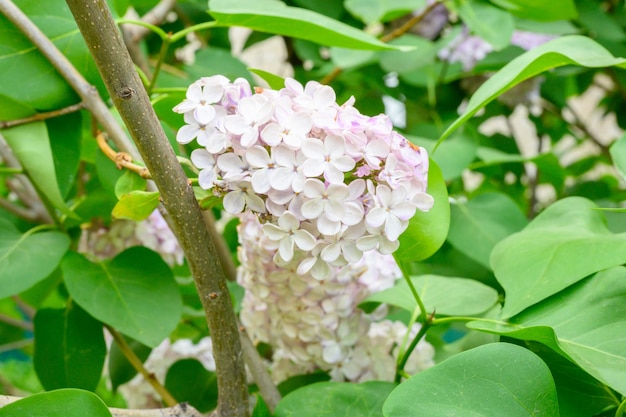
(393, 228)
(343, 163)
(204, 114)
(274, 232)
(376, 216)
(281, 178)
(367, 242)
(313, 168)
(257, 157)
(236, 124)
(272, 134)
(261, 181)
(327, 226)
(234, 202)
(424, 201)
(202, 159)
(312, 208)
(314, 188)
(186, 134)
(335, 210)
(255, 203)
(313, 148)
(207, 177)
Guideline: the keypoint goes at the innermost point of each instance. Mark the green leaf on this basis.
(562, 245)
(423, 53)
(618, 154)
(65, 142)
(260, 408)
(566, 50)
(274, 81)
(336, 399)
(345, 58)
(585, 323)
(490, 23)
(540, 9)
(211, 61)
(13, 109)
(26, 74)
(427, 231)
(273, 16)
(26, 259)
(120, 370)
(477, 225)
(446, 296)
(69, 348)
(494, 380)
(135, 293)
(129, 181)
(374, 11)
(31, 144)
(60, 403)
(136, 205)
(202, 394)
(455, 155)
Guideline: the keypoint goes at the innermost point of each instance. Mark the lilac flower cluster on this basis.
(328, 182)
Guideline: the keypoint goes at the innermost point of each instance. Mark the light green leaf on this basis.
(136, 205)
(618, 154)
(540, 9)
(274, 81)
(565, 243)
(26, 75)
(31, 145)
(18, 271)
(129, 181)
(477, 225)
(455, 155)
(490, 23)
(494, 380)
(69, 348)
(331, 399)
(423, 53)
(446, 296)
(60, 403)
(566, 50)
(273, 16)
(135, 293)
(585, 323)
(345, 58)
(374, 11)
(427, 231)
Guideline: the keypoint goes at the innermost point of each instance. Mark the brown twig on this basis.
(121, 159)
(42, 116)
(129, 96)
(136, 363)
(16, 322)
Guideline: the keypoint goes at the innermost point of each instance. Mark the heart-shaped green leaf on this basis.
(477, 225)
(585, 323)
(26, 259)
(565, 243)
(136, 205)
(336, 399)
(69, 348)
(445, 296)
(68, 402)
(135, 293)
(494, 380)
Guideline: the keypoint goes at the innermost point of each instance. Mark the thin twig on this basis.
(42, 116)
(87, 92)
(121, 159)
(26, 309)
(136, 363)
(16, 322)
(154, 16)
(579, 124)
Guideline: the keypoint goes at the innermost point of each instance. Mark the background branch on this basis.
(129, 96)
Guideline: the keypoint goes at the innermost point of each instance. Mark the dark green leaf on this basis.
(65, 142)
(574, 50)
(18, 271)
(69, 348)
(427, 231)
(565, 243)
(31, 145)
(260, 408)
(135, 293)
(202, 394)
(477, 225)
(60, 403)
(336, 399)
(120, 370)
(446, 296)
(136, 205)
(275, 17)
(494, 380)
(585, 323)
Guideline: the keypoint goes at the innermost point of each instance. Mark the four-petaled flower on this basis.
(289, 235)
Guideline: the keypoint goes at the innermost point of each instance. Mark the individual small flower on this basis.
(327, 158)
(242, 196)
(200, 99)
(325, 204)
(391, 210)
(205, 161)
(289, 235)
(252, 113)
(192, 130)
(290, 127)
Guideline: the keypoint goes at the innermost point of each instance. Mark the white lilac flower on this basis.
(327, 158)
(200, 99)
(205, 161)
(289, 235)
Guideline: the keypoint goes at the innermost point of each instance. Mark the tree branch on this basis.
(129, 96)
